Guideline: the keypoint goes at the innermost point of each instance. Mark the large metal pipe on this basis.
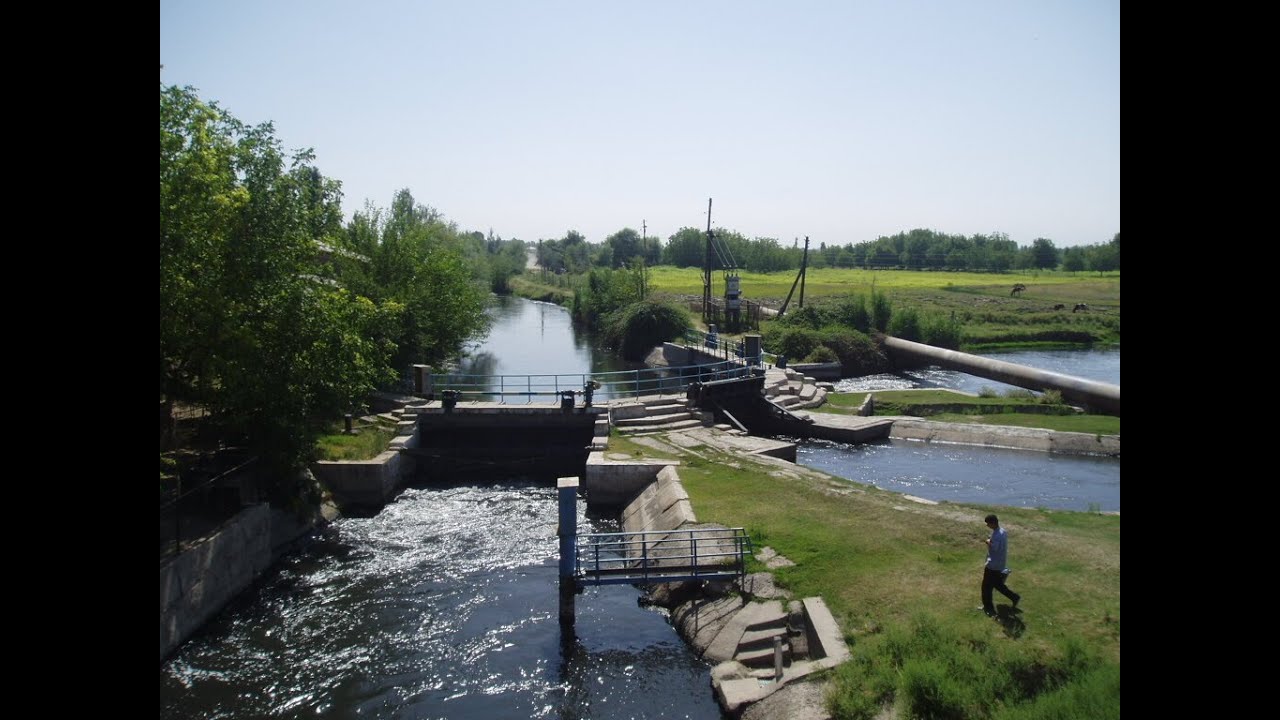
(1097, 395)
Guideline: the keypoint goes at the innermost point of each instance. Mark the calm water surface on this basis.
(960, 473)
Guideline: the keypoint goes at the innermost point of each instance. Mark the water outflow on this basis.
(443, 605)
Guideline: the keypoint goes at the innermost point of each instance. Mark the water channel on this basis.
(443, 605)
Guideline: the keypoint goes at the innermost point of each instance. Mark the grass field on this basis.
(903, 580)
(961, 289)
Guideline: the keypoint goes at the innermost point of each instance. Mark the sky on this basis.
(840, 120)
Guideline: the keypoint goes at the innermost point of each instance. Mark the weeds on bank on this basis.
(933, 670)
(369, 441)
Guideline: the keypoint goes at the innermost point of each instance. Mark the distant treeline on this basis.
(914, 250)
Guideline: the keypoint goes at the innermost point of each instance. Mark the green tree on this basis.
(626, 245)
(1043, 254)
(685, 248)
(250, 326)
(420, 264)
(1073, 259)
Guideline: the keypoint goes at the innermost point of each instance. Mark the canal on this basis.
(443, 604)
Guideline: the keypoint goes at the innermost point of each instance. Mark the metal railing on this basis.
(625, 383)
(189, 510)
(630, 558)
(736, 347)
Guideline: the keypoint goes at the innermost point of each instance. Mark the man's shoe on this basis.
(988, 612)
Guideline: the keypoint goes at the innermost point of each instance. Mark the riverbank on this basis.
(886, 562)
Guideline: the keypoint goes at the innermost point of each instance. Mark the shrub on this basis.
(905, 324)
(881, 309)
(812, 317)
(858, 353)
(634, 329)
(940, 331)
(822, 354)
(851, 310)
(1051, 397)
(794, 342)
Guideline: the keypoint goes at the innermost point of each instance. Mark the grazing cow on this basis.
(1059, 306)
(1080, 307)
(1017, 289)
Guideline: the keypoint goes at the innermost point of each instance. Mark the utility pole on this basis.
(804, 269)
(644, 260)
(706, 270)
(804, 263)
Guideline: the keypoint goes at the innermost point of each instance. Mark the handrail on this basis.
(661, 556)
(624, 383)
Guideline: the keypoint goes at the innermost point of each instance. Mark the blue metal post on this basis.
(568, 532)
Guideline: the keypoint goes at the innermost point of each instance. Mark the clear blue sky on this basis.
(837, 119)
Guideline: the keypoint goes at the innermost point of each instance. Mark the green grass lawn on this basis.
(903, 580)
(370, 441)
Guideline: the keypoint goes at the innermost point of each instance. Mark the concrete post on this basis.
(567, 488)
(751, 353)
(422, 379)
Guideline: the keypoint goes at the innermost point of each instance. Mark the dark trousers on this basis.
(994, 579)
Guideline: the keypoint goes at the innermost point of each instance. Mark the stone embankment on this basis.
(760, 646)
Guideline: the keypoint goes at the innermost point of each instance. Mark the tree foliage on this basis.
(248, 326)
(436, 276)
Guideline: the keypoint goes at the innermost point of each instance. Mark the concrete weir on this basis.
(759, 647)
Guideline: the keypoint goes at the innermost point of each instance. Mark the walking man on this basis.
(995, 572)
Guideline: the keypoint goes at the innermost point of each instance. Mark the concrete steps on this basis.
(665, 427)
(652, 419)
(653, 415)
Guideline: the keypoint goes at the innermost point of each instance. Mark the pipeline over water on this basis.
(1099, 395)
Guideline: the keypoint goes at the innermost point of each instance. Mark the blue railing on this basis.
(716, 343)
(630, 558)
(604, 386)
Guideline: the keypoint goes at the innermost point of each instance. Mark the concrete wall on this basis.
(679, 355)
(662, 505)
(609, 484)
(362, 482)
(196, 584)
(819, 371)
(1066, 443)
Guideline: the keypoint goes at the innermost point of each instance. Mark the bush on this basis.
(1051, 397)
(881, 309)
(822, 354)
(812, 317)
(634, 329)
(794, 342)
(940, 331)
(905, 324)
(851, 310)
(857, 353)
